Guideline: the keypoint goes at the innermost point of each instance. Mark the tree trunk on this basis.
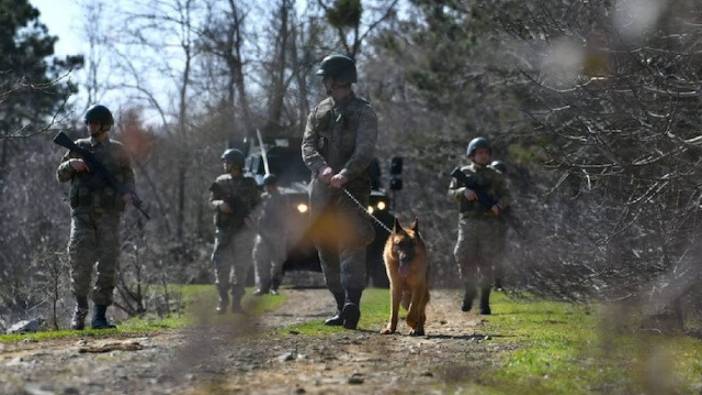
(277, 98)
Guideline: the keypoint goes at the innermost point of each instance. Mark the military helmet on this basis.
(339, 67)
(99, 114)
(234, 157)
(270, 179)
(499, 166)
(476, 143)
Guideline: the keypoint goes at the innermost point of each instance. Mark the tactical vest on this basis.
(337, 129)
(474, 208)
(240, 194)
(89, 190)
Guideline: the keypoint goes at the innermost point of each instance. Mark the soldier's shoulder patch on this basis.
(364, 107)
(119, 147)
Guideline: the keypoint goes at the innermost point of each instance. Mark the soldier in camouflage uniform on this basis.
(233, 198)
(269, 251)
(337, 147)
(479, 227)
(96, 210)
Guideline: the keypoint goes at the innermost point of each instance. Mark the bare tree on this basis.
(93, 31)
(223, 37)
(170, 24)
(279, 64)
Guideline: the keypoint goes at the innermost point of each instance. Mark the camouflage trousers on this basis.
(94, 238)
(231, 259)
(501, 250)
(478, 247)
(269, 256)
(341, 233)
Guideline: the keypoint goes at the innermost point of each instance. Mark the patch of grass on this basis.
(196, 298)
(375, 307)
(561, 348)
(576, 349)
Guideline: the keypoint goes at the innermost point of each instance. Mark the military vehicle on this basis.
(284, 159)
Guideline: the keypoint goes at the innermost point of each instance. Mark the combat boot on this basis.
(275, 284)
(468, 297)
(223, 301)
(337, 320)
(99, 318)
(79, 314)
(485, 300)
(262, 290)
(498, 284)
(237, 296)
(351, 312)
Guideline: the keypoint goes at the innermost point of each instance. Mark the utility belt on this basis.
(104, 198)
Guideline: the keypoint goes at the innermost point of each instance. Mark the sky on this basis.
(63, 18)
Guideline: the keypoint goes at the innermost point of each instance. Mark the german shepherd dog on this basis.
(406, 264)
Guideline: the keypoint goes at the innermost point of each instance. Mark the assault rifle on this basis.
(100, 170)
(239, 212)
(486, 200)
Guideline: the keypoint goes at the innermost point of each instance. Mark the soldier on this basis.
(478, 242)
(96, 211)
(337, 147)
(269, 251)
(232, 197)
(498, 265)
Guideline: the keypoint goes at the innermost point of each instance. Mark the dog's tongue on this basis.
(404, 270)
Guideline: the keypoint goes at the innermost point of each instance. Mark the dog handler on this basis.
(338, 146)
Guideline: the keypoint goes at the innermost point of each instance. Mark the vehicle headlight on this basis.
(370, 210)
(381, 205)
(302, 208)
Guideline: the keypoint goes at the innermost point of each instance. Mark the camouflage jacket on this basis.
(271, 221)
(88, 190)
(342, 136)
(240, 193)
(491, 181)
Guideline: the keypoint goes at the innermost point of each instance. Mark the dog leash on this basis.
(365, 210)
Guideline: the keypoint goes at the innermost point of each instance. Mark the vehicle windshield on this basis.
(284, 162)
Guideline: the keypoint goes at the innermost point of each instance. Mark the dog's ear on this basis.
(415, 225)
(397, 228)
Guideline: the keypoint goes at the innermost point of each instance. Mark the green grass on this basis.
(375, 305)
(557, 348)
(196, 299)
(575, 349)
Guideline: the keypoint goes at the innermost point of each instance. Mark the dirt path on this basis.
(250, 357)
